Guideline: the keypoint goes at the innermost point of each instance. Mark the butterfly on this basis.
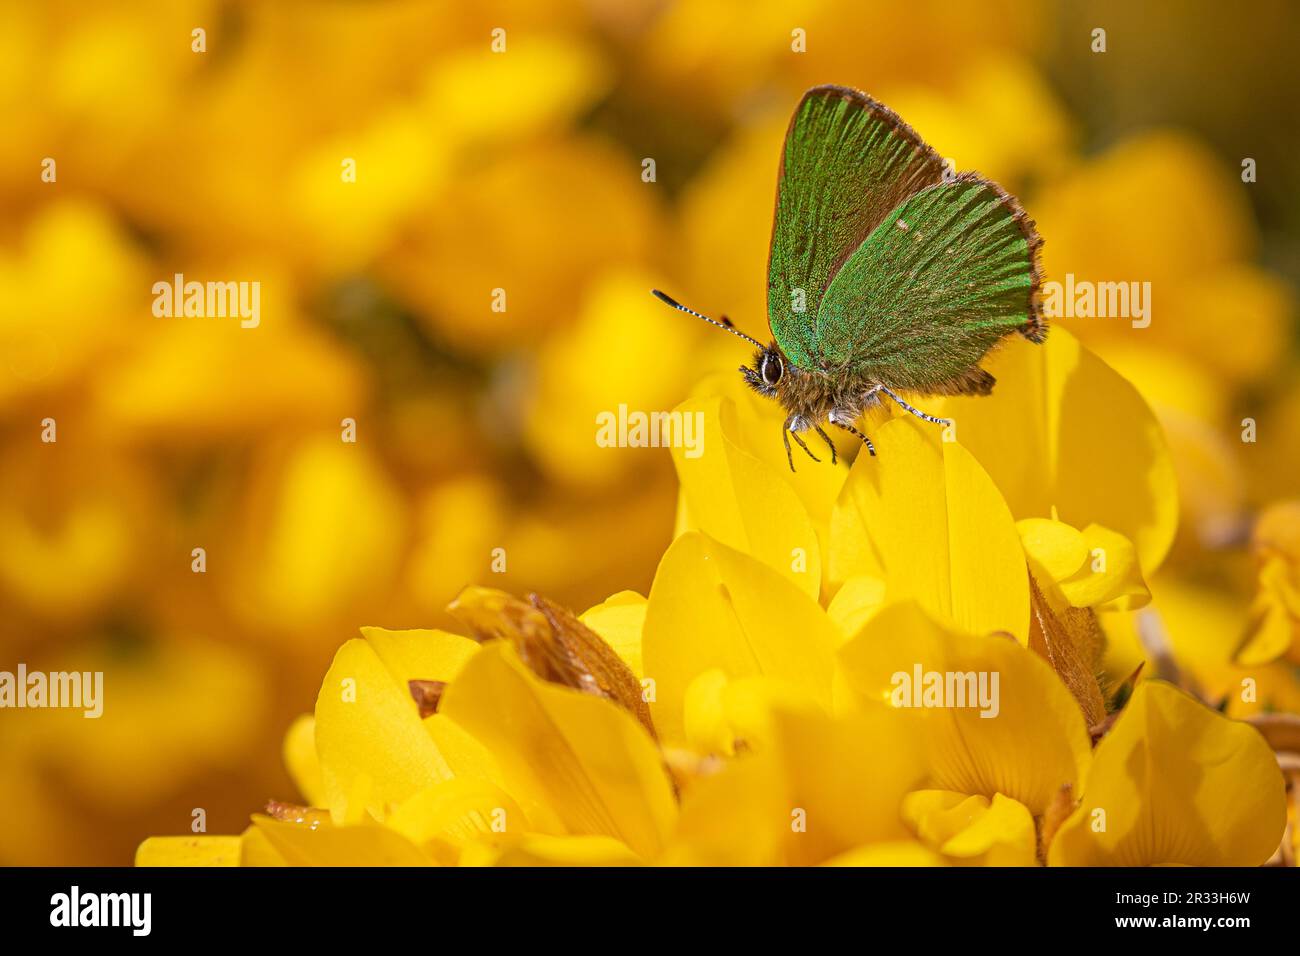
(887, 272)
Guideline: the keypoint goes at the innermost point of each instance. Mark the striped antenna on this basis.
(725, 326)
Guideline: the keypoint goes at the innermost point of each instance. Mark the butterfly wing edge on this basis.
(1035, 327)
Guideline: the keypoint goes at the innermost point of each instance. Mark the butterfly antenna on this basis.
(725, 325)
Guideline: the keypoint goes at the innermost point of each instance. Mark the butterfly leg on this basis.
(838, 423)
(800, 442)
(789, 432)
(915, 411)
(830, 444)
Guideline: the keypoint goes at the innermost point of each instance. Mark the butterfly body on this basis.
(887, 272)
(810, 395)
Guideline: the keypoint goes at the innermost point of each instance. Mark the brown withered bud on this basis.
(1071, 643)
(427, 694)
(554, 644)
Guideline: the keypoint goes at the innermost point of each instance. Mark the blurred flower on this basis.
(504, 211)
(460, 525)
(623, 350)
(979, 124)
(195, 381)
(472, 301)
(1217, 322)
(179, 713)
(52, 331)
(322, 534)
(1274, 627)
(71, 519)
(1125, 217)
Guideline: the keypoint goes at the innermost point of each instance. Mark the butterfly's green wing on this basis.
(847, 162)
(946, 275)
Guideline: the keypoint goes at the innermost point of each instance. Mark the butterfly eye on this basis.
(771, 368)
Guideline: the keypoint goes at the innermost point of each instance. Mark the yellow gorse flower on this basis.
(895, 663)
(385, 176)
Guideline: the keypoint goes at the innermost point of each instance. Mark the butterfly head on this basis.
(768, 375)
(765, 375)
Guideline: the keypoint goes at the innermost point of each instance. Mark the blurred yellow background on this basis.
(480, 292)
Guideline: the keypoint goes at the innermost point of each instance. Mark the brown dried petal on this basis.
(1070, 642)
(554, 644)
(427, 694)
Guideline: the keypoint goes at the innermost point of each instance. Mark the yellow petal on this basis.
(189, 851)
(443, 817)
(974, 829)
(738, 816)
(1034, 740)
(822, 787)
(925, 517)
(1175, 783)
(715, 607)
(1112, 578)
(301, 760)
(896, 853)
(619, 620)
(257, 850)
(937, 814)
(855, 602)
(849, 774)
(754, 424)
(328, 845)
(722, 713)
(704, 714)
(585, 758)
(1063, 435)
(744, 502)
(420, 654)
(1094, 568)
(1056, 551)
(374, 750)
(535, 849)
(1003, 835)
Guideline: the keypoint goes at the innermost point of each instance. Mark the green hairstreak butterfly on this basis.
(884, 274)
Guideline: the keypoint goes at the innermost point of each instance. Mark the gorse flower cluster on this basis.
(453, 231)
(895, 662)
